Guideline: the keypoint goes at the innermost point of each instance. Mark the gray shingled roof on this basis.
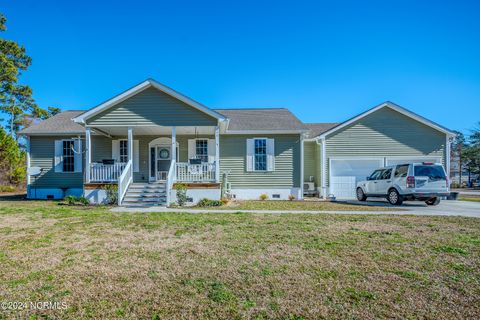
(262, 119)
(240, 119)
(316, 129)
(60, 123)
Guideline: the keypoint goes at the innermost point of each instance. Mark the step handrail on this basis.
(124, 181)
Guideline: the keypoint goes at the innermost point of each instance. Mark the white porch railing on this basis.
(106, 172)
(170, 180)
(124, 181)
(204, 172)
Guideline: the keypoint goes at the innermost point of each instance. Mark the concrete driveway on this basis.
(445, 208)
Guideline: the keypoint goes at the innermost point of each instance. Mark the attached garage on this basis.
(346, 172)
(385, 135)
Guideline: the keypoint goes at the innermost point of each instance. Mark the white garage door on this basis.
(345, 173)
(394, 161)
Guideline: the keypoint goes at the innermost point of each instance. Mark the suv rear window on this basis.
(432, 172)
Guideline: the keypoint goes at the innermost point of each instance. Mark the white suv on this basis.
(412, 181)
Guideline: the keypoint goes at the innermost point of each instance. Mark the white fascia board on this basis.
(393, 107)
(56, 134)
(139, 88)
(111, 102)
(266, 131)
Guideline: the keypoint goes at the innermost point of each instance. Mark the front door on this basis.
(160, 160)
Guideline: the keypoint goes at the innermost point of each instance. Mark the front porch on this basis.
(165, 155)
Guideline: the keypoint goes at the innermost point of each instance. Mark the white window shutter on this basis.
(270, 155)
(136, 156)
(211, 150)
(78, 155)
(58, 156)
(192, 152)
(250, 154)
(116, 150)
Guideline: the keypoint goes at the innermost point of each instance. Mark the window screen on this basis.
(260, 154)
(124, 151)
(68, 156)
(201, 149)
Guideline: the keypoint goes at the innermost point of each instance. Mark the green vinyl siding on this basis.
(42, 154)
(152, 107)
(233, 149)
(386, 133)
(310, 160)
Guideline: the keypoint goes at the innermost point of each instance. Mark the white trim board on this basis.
(394, 107)
(149, 83)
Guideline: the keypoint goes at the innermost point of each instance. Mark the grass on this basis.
(8, 189)
(468, 198)
(223, 265)
(298, 205)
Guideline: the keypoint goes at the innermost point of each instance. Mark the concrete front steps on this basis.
(145, 195)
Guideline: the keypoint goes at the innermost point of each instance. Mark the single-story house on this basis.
(150, 138)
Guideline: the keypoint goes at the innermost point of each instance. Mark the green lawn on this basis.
(466, 198)
(223, 265)
(300, 205)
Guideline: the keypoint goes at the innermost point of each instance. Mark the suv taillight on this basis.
(446, 181)
(410, 182)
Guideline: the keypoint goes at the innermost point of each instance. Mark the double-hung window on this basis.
(201, 149)
(260, 155)
(124, 151)
(68, 156)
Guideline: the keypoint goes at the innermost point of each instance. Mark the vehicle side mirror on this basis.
(368, 179)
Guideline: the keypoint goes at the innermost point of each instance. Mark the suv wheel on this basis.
(361, 195)
(394, 197)
(433, 202)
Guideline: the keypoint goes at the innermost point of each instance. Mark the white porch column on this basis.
(174, 151)
(174, 144)
(217, 154)
(88, 153)
(130, 144)
(324, 169)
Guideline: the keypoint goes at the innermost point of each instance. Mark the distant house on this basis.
(150, 138)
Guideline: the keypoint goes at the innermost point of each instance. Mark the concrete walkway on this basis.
(445, 208)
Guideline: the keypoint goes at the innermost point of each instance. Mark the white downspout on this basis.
(301, 165)
(27, 147)
(447, 156)
(324, 169)
(217, 154)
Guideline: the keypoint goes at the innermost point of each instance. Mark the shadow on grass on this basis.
(380, 203)
(13, 197)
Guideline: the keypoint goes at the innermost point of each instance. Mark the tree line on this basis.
(465, 151)
(19, 108)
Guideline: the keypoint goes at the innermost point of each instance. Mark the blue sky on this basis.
(325, 61)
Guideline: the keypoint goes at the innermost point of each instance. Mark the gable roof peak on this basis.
(149, 82)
